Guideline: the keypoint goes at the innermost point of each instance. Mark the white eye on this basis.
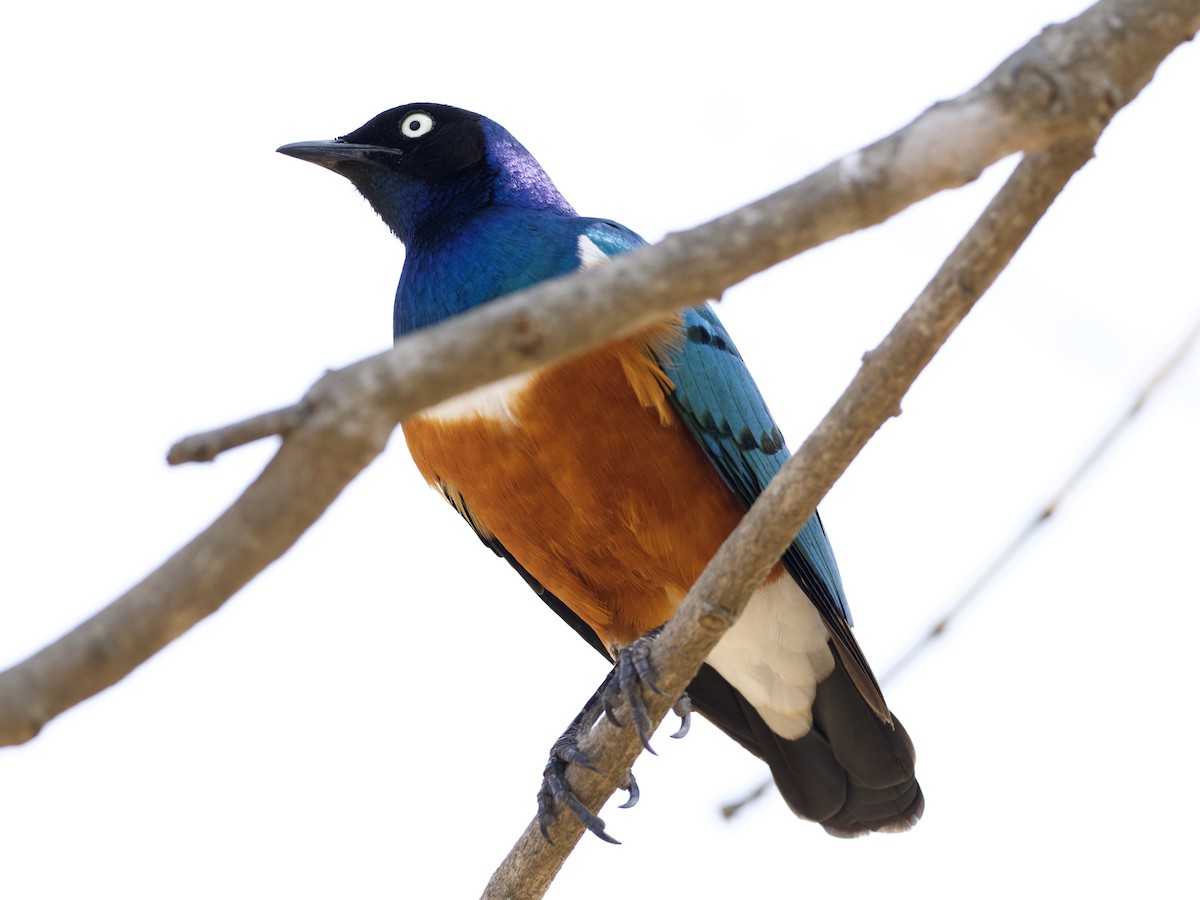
(416, 125)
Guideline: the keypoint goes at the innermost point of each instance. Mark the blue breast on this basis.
(500, 250)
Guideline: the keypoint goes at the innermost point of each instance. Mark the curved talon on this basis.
(640, 657)
(635, 793)
(683, 709)
(633, 670)
(555, 794)
(566, 752)
(685, 725)
(606, 700)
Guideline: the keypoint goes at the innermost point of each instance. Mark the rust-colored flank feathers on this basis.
(562, 483)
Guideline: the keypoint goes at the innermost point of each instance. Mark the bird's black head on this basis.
(425, 164)
(423, 141)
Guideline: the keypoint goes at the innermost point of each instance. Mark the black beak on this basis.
(335, 154)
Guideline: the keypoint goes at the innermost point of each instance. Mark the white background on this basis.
(370, 717)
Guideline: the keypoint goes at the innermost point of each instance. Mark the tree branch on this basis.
(1068, 81)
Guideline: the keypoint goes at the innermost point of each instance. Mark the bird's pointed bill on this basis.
(332, 154)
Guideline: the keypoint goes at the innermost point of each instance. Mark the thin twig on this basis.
(731, 809)
(208, 445)
(1050, 507)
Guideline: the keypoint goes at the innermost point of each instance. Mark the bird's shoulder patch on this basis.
(495, 401)
(639, 357)
(588, 252)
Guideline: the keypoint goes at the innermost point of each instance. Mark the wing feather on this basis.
(725, 412)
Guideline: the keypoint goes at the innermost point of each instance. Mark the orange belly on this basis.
(592, 483)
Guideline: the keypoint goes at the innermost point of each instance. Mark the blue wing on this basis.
(723, 409)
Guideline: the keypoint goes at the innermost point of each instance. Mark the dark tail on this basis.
(852, 772)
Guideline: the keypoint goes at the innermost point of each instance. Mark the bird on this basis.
(608, 481)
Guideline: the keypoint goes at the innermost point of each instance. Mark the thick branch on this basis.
(1068, 81)
(771, 524)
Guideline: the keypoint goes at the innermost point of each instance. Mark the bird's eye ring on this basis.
(416, 125)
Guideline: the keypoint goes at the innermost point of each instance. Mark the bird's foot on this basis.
(555, 793)
(632, 671)
(622, 686)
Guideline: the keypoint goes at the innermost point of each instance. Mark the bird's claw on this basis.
(683, 709)
(632, 670)
(634, 793)
(555, 794)
(624, 685)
